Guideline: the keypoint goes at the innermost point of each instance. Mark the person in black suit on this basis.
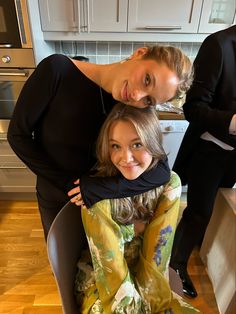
(206, 159)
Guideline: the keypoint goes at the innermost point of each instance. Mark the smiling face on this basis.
(126, 151)
(142, 83)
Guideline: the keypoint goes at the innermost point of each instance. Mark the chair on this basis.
(65, 240)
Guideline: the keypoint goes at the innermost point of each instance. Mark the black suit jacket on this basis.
(211, 100)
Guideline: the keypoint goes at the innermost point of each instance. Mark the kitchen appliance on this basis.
(17, 63)
(173, 133)
(14, 24)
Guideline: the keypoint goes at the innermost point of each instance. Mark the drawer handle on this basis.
(13, 167)
(161, 27)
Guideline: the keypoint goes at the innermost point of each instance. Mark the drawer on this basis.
(5, 148)
(15, 176)
(17, 180)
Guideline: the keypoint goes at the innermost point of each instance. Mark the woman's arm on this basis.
(32, 103)
(95, 189)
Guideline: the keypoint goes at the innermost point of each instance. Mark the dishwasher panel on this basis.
(173, 132)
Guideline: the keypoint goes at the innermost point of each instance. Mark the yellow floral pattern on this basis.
(128, 274)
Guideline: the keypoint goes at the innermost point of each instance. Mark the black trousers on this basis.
(50, 201)
(210, 168)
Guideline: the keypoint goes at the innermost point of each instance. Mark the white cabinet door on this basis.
(59, 15)
(107, 15)
(180, 16)
(217, 15)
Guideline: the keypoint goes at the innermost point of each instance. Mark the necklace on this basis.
(102, 100)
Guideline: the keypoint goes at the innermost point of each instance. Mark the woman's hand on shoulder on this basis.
(76, 195)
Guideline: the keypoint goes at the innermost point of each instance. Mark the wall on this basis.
(108, 52)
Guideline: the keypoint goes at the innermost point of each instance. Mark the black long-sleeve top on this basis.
(54, 129)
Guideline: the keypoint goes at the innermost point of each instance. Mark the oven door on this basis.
(11, 84)
(14, 175)
(9, 30)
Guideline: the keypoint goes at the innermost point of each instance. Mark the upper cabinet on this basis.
(83, 16)
(217, 15)
(133, 19)
(59, 15)
(107, 15)
(180, 16)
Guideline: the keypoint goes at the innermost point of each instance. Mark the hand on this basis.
(139, 227)
(77, 197)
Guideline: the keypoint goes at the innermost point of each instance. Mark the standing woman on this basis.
(60, 111)
(125, 269)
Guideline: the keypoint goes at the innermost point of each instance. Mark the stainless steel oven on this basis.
(14, 24)
(16, 65)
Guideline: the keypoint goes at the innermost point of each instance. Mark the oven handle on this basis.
(12, 167)
(15, 73)
(5, 45)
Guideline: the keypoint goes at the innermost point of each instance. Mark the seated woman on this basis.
(125, 269)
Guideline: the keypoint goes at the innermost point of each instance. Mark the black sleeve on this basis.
(30, 107)
(95, 189)
(200, 107)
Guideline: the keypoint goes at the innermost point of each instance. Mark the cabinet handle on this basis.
(9, 73)
(12, 167)
(161, 27)
(118, 11)
(5, 45)
(88, 24)
(76, 15)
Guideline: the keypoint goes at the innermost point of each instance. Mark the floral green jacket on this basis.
(127, 274)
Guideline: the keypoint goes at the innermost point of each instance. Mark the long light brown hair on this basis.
(146, 123)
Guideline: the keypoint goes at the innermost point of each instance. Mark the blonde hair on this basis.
(146, 123)
(176, 61)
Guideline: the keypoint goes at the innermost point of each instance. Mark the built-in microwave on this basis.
(14, 24)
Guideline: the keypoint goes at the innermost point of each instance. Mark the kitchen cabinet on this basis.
(134, 20)
(84, 16)
(164, 16)
(107, 15)
(217, 15)
(59, 15)
(14, 175)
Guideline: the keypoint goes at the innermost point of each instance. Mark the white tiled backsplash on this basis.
(108, 52)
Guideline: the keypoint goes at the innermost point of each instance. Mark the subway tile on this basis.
(92, 58)
(102, 59)
(80, 48)
(102, 48)
(137, 45)
(114, 59)
(126, 48)
(114, 48)
(67, 47)
(187, 48)
(91, 48)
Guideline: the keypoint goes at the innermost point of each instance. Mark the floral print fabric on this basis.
(124, 273)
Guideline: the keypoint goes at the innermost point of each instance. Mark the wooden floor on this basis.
(26, 282)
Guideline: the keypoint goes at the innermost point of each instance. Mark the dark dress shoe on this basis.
(188, 287)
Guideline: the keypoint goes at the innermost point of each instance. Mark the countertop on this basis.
(170, 116)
